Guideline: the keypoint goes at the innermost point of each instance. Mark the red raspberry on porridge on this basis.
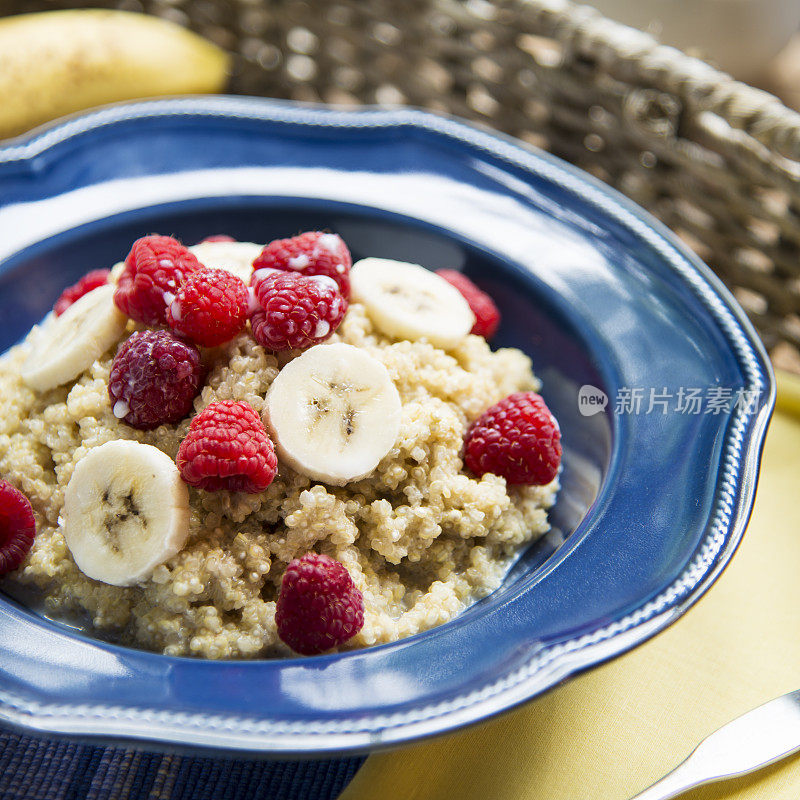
(210, 308)
(227, 448)
(91, 280)
(17, 527)
(295, 312)
(487, 315)
(310, 253)
(218, 237)
(155, 269)
(318, 606)
(518, 439)
(154, 379)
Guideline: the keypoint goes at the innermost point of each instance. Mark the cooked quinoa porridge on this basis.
(375, 478)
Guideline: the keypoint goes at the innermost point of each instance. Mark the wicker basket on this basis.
(716, 160)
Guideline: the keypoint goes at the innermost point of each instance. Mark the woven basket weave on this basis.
(716, 160)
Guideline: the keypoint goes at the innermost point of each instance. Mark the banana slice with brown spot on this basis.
(407, 301)
(126, 510)
(333, 413)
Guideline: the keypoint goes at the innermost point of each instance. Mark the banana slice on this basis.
(69, 344)
(407, 301)
(333, 413)
(126, 510)
(235, 257)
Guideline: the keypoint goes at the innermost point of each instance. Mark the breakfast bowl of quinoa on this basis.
(324, 445)
(220, 418)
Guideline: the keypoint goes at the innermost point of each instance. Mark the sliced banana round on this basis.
(40, 331)
(235, 257)
(116, 271)
(126, 510)
(69, 344)
(333, 413)
(407, 301)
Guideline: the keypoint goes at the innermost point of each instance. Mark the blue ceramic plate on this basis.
(619, 319)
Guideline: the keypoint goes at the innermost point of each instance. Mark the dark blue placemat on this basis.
(43, 769)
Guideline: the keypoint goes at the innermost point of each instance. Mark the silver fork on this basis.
(758, 738)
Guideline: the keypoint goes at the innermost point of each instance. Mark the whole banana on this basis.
(56, 62)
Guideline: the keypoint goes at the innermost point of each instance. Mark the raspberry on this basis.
(155, 269)
(17, 527)
(154, 379)
(311, 253)
(228, 448)
(487, 316)
(294, 311)
(518, 439)
(210, 308)
(218, 237)
(91, 280)
(318, 606)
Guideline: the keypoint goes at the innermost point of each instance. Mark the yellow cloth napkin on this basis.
(609, 733)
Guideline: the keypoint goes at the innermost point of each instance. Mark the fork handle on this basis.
(749, 742)
(680, 780)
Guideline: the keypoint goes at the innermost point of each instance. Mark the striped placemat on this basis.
(46, 769)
